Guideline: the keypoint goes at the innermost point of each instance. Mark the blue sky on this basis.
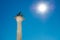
(32, 27)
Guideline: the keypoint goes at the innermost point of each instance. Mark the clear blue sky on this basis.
(32, 27)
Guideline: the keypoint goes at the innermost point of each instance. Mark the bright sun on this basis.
(42, 8)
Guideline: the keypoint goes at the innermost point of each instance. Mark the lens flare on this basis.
(42, 9)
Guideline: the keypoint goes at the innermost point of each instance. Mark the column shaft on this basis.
(19, 31)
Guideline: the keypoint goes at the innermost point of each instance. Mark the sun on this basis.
(42, 8)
